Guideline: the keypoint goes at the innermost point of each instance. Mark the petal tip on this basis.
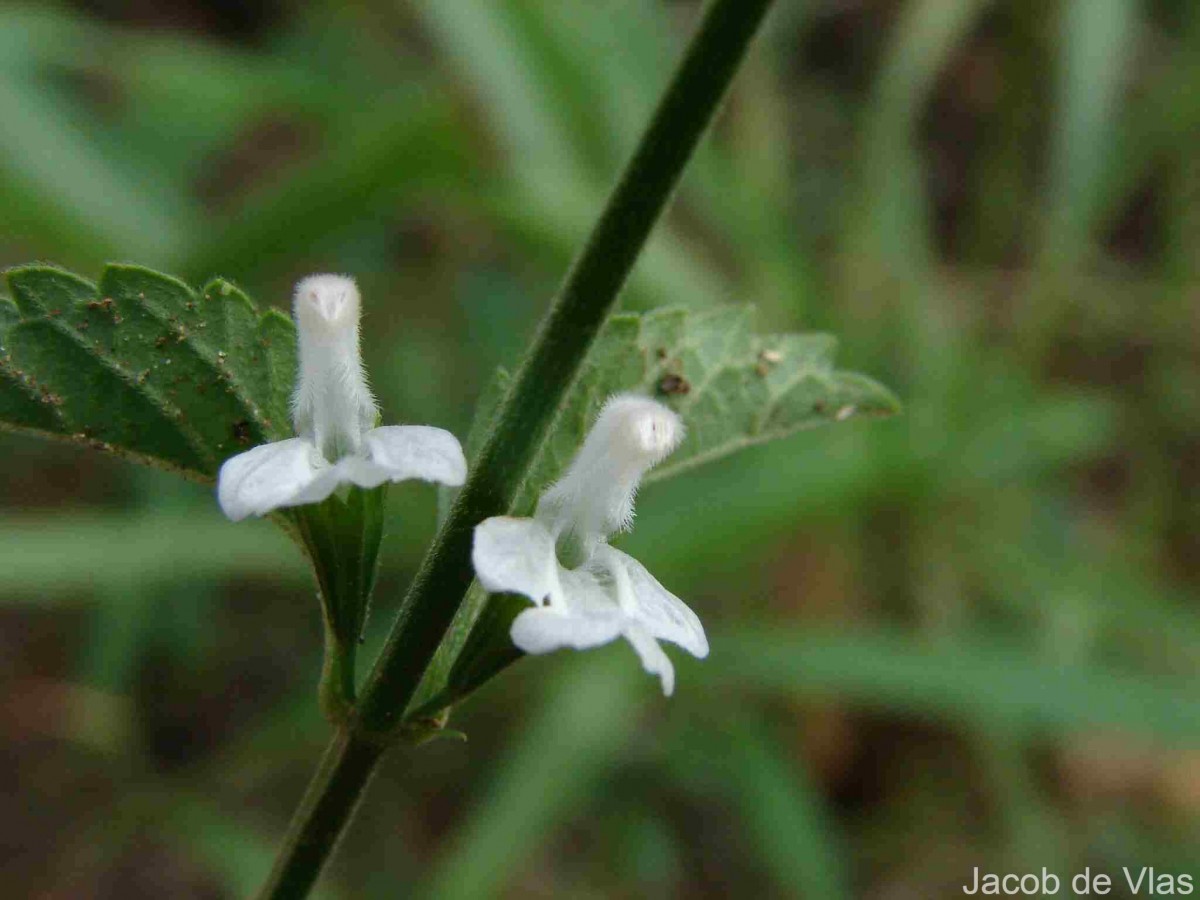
(423, 452)
(514, 555)
(268, 477)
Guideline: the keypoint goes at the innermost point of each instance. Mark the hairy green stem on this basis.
(330, 799)
(587, 296)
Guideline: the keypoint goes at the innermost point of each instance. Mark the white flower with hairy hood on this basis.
(586, 593)
(335, 417)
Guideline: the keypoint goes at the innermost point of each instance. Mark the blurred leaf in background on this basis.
(966, 635)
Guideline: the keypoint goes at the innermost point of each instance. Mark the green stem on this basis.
(336, 690)
(588, 295)
(333, 793)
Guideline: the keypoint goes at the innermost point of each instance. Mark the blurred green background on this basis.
(964, 637)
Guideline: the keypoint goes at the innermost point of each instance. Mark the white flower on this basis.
(585, 592)
(334, 414)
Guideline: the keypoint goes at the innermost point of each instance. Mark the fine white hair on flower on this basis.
(586, 593)
(327, 304)
(335, 415)
(332, 402)
(595, 496)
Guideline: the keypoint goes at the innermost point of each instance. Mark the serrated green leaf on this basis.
(733, 389)
(143, 366)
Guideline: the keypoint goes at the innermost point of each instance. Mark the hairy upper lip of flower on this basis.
(585, 592)
(335, 417)
(334, 300)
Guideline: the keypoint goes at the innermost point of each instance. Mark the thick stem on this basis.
(587, 296)
(334, 792)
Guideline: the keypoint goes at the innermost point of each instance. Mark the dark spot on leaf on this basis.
(819, 408)
(241, 432)
(767, 359)
(661, 353)
(160, 342)
(671, 384)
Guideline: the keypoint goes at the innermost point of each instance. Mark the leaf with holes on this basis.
(733, 389)
(142, 366)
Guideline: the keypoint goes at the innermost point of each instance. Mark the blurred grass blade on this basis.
(548, 213)
(894, 225)
(505, 58)
(549, 111)
(1009, 690)
(407, 145)
(620, 50)
(1026, 813)
(59, 189)
(230, 847)
(187, 102)
(569, 744)
(783, 812)
(32, 34)
(1096, 43)
(44, 558)
(779, 806)
(1160, 126)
